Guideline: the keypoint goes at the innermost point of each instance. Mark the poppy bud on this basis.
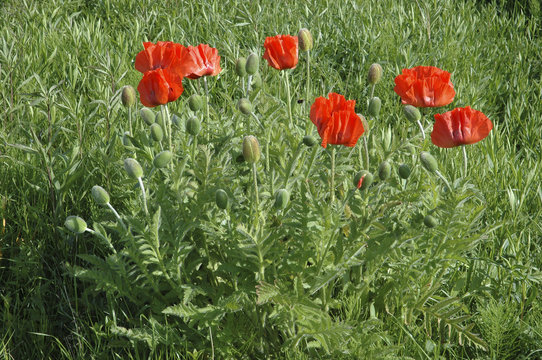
(251, 149)
(309, 141)
(404, 171)
(253, 63)
(412, 113)
(100, 195)
(375, 74)
(428, 161)
(256, 82)
(133, 168)
(162, 159)
(195, 102)
(384, 170)
(374, 106)
(157, 134)
(193, 126)
(175, 120)
(282, 196)
(128, 96)
(365, 178)
(221, 199)
(240, 65)
(126, 139)
(305, 40)
(245, 106)
(430, 221)
(148, 116)
(75, 224)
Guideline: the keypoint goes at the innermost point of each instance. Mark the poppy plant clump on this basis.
(461, 126)
(281, 51)
(425, 86)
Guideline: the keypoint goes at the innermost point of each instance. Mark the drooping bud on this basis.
(374, 106)
(195, 102)
(256, 81)
(157, 134)
(133, 168)
(253, 63)
(245, 106)
(100, 195)
(309, 141)
(430, 221)
(282, 196)
(126, 139)
(75, 224)
(428, 161)
(162, 159)
(240, 67)
(128, 96)
(404, 171)
(148, 116)
(193, 126)
(363, 179)
(221, 199)
(375, 74)
(412, 113)
(251, 149)
(384, 170)
(305, 40)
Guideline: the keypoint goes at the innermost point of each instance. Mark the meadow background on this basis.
(62, 65)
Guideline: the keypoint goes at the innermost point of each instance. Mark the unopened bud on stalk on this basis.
(148, 116)
(404, 171)
(282, 197)
(412, 113)
(309, 141)
(157, 134)
(251, 149)
(253, 63)
(193, 126)
(384, 170)
(245, 106)
(428, 161)
(375, 74)
(221, 199)
(363, 179)
(100, 195)
(195, 102)
(126, 139)
(256, 82)
(128, 96)
(430, 221)
(240, 67)
(133, 168)
(162, 159)
(75, 224)
(374, 106)
(305, 40)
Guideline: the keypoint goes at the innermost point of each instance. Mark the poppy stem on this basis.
(130, 120)
(249, 80)
(464, 160)
(332, 188)
(366, 148)
(289, 98)
(421, 128)
(372, 91)
(308, 86)
(206, 105)
(116, 215)
(443, 179)
(256, 197)
(144, 196)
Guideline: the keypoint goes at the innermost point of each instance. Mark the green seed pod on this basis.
(430, 221)
(240, 67)
(404, 171)
(148, 116)
(412, 113)
(374, 106)
(305, 40)
(282, 196)
(253, 63)
(133, 168)
(126, 139)
(128, 96)
(251, 149)
(162, 159)
(384, 170)
(375, 74)
(193, 126)
(245, 106)
(75, 224)
(157, 134)
(309, 141)
(367, 179)
(428, 161)
(221, 199)
(256, 82)
(195, 102)
(100, 195)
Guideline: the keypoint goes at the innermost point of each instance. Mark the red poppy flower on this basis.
(460, 126)
(163, 55)
(201, 60)
(425, 86)
(160, 86)
(336, 120)
(281, 51)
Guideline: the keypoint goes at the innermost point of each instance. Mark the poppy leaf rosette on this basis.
(201, 60)
(158, 87)
(162, 55)
(425, 86)
(336, 120)
(461, 126)
(281, 51)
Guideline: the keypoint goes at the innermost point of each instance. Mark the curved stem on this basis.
(464, 160)
(116, 215)
(144, 196)
(443, 179)
(421, 128)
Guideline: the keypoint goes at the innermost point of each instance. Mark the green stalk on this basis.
(421, 129)
(443, 179)
(307, 89)
(144, 196)
(130, 120)
(366, 149)
(332, 187)
(256, 197)
(289, 98)
(207, 106)
(116, 215)
(464, 160)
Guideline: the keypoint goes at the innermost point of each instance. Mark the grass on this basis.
(364, 281)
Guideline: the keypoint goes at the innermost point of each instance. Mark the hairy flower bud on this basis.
(375, 74)
(309, 141)
(363, 179)
(195, 102)
(75, 224)
(412, 113)
(305, 40)
(148, 116)
(428, 161)
(374, 106)
(251, 149)
(162, 159)
(282, 197)
(157, 134)
(245, 106)
(404, 171)
(221, 199)
(430, 221)
(126, 141)
(240, 67)
(133, 168)
(253, 63)
(100, 195)
(384, 170)
(128, 96)
(193, 126)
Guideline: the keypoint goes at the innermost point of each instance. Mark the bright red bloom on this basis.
(201, 60)
(424, 86)
(281, 51)
(336, 120)
(158, 87)
(461, 126)
(163, 55)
